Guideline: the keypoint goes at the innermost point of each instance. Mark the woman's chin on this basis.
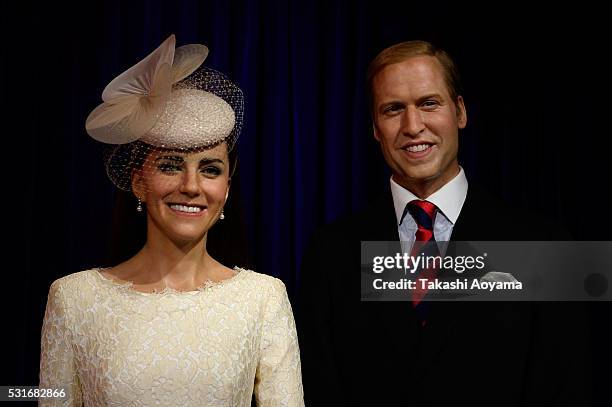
(187, 237)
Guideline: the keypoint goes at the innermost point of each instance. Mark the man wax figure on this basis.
(383, 353)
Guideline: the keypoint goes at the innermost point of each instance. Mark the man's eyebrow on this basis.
(392, 102)
(423, 98)
(420, 100)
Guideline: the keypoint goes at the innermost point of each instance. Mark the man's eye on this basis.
(430, 103)
(392, 109)
(166, 167)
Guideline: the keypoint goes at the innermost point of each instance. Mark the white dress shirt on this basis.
(449, 199)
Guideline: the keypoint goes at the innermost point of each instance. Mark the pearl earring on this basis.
(139, 206)
(222, 216)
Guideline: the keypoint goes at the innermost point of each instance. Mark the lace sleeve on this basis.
(56, 355)
(278, 380)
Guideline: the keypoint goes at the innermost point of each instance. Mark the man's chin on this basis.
(419, 180)
(418, 176)
(425, 180)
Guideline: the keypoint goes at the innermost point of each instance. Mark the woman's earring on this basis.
(222, 216)
(139, 206)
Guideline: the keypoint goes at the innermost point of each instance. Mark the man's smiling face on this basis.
(417, 123)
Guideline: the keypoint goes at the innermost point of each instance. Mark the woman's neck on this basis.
(173, 264)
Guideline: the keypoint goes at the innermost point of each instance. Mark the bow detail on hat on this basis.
(135, 100)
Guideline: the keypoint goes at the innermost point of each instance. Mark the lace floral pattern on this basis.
(111, 345)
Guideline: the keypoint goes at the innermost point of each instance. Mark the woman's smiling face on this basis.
(184, 192)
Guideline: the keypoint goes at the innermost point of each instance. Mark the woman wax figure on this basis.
(170, 326)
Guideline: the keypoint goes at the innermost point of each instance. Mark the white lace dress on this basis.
(110, 345)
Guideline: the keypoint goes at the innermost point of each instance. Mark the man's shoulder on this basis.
(487, 217)
(376, 221)
(483, 217)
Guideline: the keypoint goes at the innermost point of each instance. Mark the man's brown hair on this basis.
(405, 50)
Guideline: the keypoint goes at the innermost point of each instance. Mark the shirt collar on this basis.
(449, 199)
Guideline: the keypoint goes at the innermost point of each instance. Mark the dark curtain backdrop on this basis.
(536, 88)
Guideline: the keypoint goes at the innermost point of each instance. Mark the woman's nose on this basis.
(189, 184)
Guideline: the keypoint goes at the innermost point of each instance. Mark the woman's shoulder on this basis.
(260, 279)
(264, 286)
(91, 281)
(73, 291)
(74, 282)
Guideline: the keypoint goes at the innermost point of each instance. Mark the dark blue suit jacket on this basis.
(376, 353)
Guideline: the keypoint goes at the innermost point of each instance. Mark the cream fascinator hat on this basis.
(165, 102)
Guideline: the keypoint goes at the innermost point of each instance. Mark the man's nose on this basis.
(412, 122)
(189, 184)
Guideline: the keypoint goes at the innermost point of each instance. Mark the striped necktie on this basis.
(424, 214)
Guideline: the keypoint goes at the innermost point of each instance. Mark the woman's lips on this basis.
(187, 210)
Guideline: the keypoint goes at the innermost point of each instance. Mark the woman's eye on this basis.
(166, 167)
(211, 171)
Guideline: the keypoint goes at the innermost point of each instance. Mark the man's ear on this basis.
(138, 184)
(375, 132)
(461, 113)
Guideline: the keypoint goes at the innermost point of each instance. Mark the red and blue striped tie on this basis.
(424, 214)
